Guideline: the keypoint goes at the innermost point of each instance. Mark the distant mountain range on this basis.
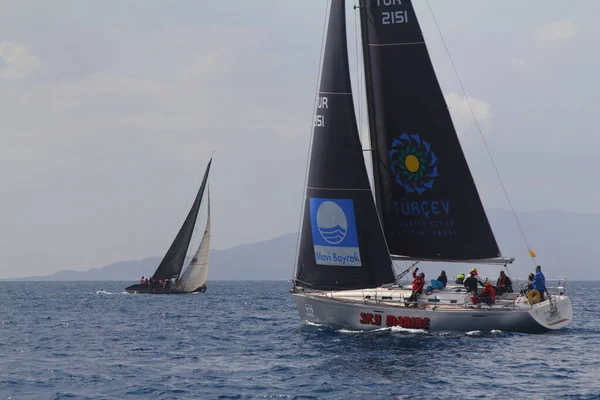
(566, 244)
(269, 260)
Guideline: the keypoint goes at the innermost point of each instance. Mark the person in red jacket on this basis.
(417, 286)
(488, 294)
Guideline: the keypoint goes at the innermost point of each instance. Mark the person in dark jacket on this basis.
(528, 287)
(471, 282)
(504, 284)
(460, 278)
(438, 283)
(443, 278)
(417, 286)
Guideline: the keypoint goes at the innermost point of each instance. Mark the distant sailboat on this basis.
(194, 277)
(425, 206)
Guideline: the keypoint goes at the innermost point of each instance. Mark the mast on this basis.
(172, 262)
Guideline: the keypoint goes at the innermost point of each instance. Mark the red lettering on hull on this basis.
(392, 320)
(370, 319)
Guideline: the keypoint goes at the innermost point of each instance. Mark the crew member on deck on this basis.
(539, 282)
(142, 281)
(528, 287)
(530, 281)
(474, 274)
(504, 284)
(417, 286)
(460, 278)
(472, 280)
(443, 278)
(488, 294)
(438, 283)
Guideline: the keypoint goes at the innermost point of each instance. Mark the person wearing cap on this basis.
(460, 278)
(488, 294)
(474, 273)
(539, 282)
(472, 280)
(503, 284)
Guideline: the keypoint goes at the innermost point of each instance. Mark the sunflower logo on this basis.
(413, 163)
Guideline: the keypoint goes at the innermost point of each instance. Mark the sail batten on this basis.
(341, 243)
(325, 188)
(346, 94)
(395, 44)
(172, 262)
(425, 193)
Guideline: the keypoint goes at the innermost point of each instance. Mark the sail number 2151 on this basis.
(394, 17)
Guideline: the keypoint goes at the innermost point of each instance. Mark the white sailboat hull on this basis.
(344, 310)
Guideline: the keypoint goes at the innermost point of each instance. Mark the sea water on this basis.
(244, 340)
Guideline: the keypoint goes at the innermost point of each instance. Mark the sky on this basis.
(110, 110)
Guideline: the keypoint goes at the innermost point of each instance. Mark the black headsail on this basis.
(341, 245)
(172, 262)
(425, 193)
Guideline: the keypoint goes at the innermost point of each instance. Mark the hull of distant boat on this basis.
(321, 308)
(160, 290)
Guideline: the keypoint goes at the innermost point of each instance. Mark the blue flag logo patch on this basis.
(334, 232)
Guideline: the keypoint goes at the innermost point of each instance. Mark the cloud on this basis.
(555, 31)
(208, 91)
(17, 62)
(461, 112)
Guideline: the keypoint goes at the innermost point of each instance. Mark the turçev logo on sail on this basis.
(334, 232)
(414, 167)
(413, 163)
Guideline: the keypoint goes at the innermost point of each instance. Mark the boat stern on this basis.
(553, 315)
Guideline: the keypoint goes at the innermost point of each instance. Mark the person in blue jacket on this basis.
(539, 282)
(438, 283)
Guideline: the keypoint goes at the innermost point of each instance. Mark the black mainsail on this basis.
(341, 245)
(425, 193)
(172, 262)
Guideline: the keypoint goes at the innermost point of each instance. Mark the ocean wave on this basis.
(104, 292)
